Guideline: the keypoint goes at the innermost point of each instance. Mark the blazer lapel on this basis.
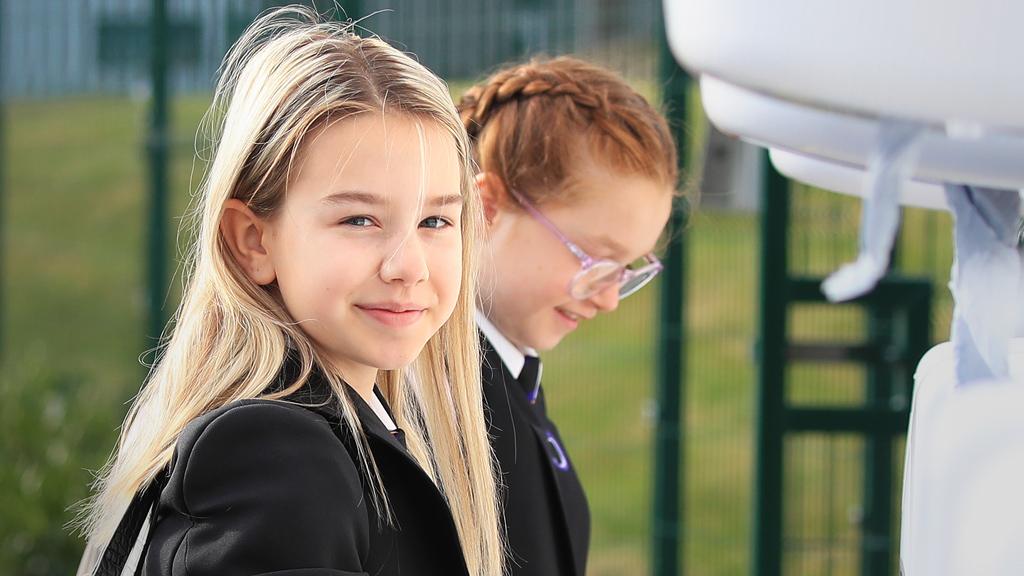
(376, 429)
(570, 491)
(557, 462)
(317, 392)
(388, 451)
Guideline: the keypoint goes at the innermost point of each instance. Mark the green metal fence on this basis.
(782, 474)
(667, 526)
(834, 389)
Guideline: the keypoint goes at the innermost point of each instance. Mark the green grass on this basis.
(73, 317)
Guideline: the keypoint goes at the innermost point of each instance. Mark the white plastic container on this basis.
(995, 160)
(849, 180)
(962, 502)
(821, 78)
(935, 61)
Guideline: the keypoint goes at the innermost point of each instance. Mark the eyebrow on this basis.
(445, 200)
(360, 197)
(352, 197)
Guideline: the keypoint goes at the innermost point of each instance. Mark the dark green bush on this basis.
(55, 431)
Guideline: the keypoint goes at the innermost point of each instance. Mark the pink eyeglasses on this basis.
(597, 274)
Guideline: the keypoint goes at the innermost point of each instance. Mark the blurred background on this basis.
(89, 271)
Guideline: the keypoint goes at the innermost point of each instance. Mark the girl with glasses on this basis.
(315, 409)
(577, 177)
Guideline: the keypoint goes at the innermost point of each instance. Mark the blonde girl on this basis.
(316, 407)
(577, 176)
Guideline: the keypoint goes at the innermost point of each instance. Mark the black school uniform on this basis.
(546, 513)
(260, 487)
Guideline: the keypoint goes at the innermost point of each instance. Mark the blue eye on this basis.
(358, 221)
(435, 222)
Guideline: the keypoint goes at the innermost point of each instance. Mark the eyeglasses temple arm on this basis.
(576, 250)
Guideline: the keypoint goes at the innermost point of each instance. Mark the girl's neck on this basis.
(364, 389)
(361, 378)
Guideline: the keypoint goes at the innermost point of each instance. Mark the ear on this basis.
(493, 195)
(244, 233)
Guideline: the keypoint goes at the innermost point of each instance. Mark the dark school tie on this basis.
(528, 378)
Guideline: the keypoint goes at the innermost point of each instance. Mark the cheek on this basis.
(446, 273)
(550, 278)
(532, 271)
(532, 285)
(316, 270)
(534, 274)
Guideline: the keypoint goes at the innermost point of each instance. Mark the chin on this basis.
(395, 356)
(545, 342)
(395, 361)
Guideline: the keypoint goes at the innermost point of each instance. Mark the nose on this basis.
(607, 300)
(406, 263)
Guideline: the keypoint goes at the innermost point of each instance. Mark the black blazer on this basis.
(261, 487)
(546, 513)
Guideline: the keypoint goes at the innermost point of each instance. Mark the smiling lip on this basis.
(392, 314)
(570, 322)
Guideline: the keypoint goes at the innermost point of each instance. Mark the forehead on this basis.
(622, 214)
(379, 153)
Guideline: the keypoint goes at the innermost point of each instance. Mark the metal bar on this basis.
(444, 64)
(837, 352)
(351, 9)
(892, 291)
(767, 540)
(3, 171)
(919, 324)
(891, 422)
(830, 516)
(157, 146)
(876, 527)
(667, 537)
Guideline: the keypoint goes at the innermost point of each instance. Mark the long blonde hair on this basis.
(291, 72)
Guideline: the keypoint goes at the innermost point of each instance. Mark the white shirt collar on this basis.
(510, 355)
(378, 408)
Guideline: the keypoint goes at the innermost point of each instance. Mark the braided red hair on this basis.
(535, 123)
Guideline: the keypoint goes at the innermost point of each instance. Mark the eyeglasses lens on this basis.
(595, 279)
(635, 283)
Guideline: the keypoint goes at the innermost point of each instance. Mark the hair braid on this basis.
(528, 122)
(526, 81)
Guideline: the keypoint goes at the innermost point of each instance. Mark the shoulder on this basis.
(269, 420)
(276, 474)
(264, 445)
